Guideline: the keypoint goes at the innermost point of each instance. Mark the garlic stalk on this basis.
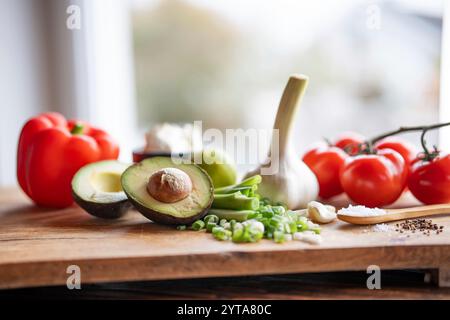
(293, 184)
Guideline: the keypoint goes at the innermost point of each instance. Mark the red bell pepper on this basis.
(50, 152)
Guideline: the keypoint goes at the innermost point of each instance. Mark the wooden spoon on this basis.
(398, 214)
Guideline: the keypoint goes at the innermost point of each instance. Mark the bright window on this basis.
(373, 65)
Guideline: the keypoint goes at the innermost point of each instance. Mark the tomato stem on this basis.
(77, 128)
(409, 129)
(367, 146)
(327, 141)
(428, 156)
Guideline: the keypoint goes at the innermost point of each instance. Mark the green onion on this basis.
(237, 235)
(240, 215)
(198, 225)
(232, 224)
(182, 227)
(302, 224)
(249, 182)
(278, 236)
(210, 226)
(278, 210)
(243, 190)
(211, 218)
(249, 231)
(221, 234)
(235, 201)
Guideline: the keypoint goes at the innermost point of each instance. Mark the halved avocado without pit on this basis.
(168, 192)
(97, 189)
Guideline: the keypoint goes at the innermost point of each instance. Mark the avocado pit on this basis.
(169, 185)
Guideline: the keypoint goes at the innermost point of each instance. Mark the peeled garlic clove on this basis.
(321, 213)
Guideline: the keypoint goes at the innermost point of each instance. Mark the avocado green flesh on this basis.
(135, 180)
(99, 182)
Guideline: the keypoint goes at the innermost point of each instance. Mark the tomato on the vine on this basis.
(326, 161)
(349, 141)
(429, 179)
(407, 150)
(374, 180)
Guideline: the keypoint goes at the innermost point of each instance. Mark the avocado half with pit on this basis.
(168, 192)
(97, 189)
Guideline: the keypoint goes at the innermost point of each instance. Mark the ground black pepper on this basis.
(425, 226)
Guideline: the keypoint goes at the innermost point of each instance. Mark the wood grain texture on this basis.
(37, 245)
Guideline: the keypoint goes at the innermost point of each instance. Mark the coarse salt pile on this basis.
(382, 227)
(361, 211)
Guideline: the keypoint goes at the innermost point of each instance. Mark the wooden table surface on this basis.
(37, 246)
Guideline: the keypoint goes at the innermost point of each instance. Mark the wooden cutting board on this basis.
(38, 245)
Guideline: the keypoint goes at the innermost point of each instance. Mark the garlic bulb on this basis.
(292, 182)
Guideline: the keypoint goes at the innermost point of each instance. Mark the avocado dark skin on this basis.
(167, 219)
(114, 210)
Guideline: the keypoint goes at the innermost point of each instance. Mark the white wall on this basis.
(23, 82)
(37, 63)
(444, 140)
(44, 66)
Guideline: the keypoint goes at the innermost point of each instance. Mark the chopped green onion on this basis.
(248, 231)
(235, 201)
(249, 182)
(278, 236)
(210, 226)
(211, 218)
(221, 234)
(278, 210)
(237, 234)
(198, 225)
(181, 227)
(243, 190)
(239, 215)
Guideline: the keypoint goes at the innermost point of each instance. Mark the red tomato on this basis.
(326, 163)
(374, 180)
(407, 150)
(349, 142)
(429, 181)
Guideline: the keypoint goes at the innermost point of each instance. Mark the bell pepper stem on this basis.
(77, 128)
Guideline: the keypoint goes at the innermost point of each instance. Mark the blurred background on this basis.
(373, 65)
